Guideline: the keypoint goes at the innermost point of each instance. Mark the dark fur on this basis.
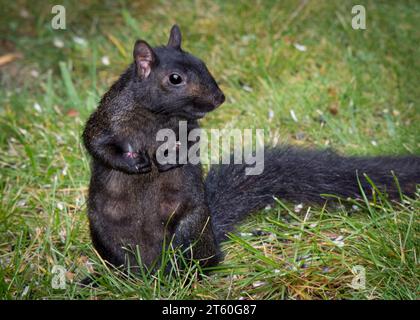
(133, 201)
(136, 202)
(302, 176)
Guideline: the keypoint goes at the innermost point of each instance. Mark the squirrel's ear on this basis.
(175, 38)
(144, 57)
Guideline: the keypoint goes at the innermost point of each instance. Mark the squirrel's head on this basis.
(171, 81)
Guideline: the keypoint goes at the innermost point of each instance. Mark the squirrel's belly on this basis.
(139, 210)
(173, 198)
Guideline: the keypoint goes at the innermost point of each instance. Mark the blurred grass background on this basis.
(295, 68)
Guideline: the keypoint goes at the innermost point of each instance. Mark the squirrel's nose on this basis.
(219, 98)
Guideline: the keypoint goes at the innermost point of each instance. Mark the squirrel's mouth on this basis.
(196, 110)
(199, 114)
(188, 115)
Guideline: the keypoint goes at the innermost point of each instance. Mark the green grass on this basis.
(354, 91)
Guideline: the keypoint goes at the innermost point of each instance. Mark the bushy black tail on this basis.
(301, 176)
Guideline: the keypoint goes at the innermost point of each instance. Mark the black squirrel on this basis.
(135, 202)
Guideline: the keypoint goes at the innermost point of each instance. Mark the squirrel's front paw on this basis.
(167, 167)
(137, 162)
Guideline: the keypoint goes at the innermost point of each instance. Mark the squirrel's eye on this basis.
(175, 79)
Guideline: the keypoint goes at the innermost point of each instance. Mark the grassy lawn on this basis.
(295, 68)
